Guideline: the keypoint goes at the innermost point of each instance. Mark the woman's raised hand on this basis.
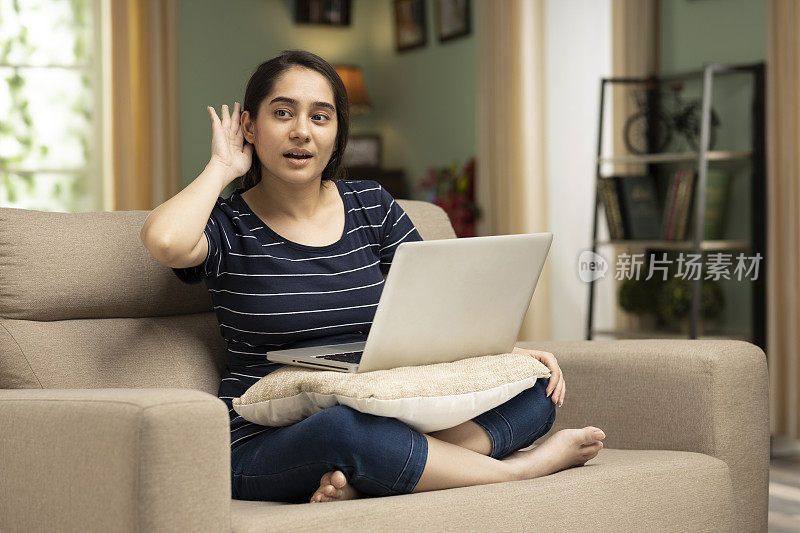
(227, 143)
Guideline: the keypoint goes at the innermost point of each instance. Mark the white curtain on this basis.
(510, 179)
(783, 218)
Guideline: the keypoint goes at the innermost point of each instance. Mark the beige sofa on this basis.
(110, 421)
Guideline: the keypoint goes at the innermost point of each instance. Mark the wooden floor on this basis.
(784, 487)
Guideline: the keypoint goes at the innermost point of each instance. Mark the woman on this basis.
(298, 257)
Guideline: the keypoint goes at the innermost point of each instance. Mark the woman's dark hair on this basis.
(261, 84)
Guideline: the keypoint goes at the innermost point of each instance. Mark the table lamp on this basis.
(353, 80)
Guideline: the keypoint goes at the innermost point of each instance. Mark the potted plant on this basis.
(668, 304)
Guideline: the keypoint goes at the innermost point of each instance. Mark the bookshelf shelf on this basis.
(672, 209)
(678, 245)
(675, 157)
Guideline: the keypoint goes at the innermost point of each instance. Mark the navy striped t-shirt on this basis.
(271, 293)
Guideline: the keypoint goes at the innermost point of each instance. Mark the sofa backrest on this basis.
(84, 305)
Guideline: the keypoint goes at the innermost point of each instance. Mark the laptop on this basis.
(443, 300)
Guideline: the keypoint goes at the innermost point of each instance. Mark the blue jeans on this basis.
(379, 456)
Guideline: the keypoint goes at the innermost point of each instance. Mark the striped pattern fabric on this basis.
(271, 293)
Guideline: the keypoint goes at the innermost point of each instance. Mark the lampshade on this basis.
(353, 80)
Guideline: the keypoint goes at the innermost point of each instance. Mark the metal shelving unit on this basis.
(755, 157)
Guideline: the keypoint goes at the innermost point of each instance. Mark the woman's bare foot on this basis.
(563, 449)
(333, 486)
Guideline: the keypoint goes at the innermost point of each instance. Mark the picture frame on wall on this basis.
(324, 12)
(410, 29)
(453, 19)
(363, 150)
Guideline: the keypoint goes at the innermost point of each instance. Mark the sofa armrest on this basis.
(705, 396)
(114, 460)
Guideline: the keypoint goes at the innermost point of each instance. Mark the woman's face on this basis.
(298, 116)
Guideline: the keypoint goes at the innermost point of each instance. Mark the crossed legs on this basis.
(464, 455)
(350, 453)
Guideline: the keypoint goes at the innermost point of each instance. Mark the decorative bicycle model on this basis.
(683, 119)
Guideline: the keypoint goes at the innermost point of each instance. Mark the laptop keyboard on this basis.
(347, 357)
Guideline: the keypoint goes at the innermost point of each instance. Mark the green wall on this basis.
(424, 100)
(426, 97)
(692, 32)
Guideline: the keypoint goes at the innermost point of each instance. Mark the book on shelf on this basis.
(679, 205)
(631, 206)
(685, 204)
(717, 192)
(610, 199)
(639, 206)
(669, 205)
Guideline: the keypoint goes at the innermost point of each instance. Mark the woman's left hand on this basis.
(557, 386)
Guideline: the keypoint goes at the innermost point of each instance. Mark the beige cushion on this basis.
(426, 397)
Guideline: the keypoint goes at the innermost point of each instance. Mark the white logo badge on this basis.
(591, 266)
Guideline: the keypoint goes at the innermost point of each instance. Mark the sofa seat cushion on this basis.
(425, 397)
(636, 490)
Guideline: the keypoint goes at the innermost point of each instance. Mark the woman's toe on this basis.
(325, 479)
(338, 479)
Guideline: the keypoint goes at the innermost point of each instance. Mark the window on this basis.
(50, 105)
